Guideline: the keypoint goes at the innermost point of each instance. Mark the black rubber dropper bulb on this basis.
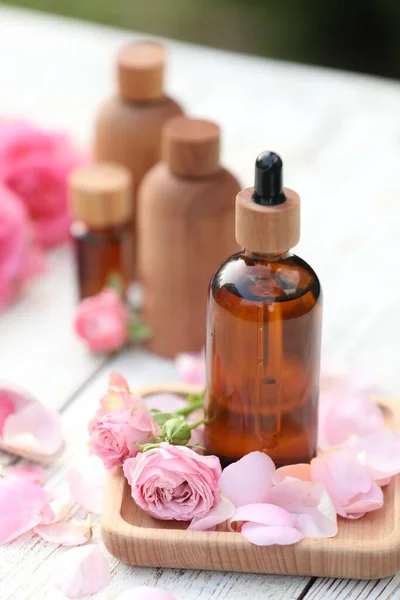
(268, 182)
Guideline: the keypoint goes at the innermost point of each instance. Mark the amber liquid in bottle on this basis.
(263, 352)
(102, 254)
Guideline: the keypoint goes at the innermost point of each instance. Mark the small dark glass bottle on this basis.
(264, 332)
(101, 204)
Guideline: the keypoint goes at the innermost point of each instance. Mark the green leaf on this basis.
(160, 418)
(147, 447)
(114, 281)
(138, 331)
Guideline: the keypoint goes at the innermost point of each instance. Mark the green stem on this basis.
(196, 424)
(187, 410)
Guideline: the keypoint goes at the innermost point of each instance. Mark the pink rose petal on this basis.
(34, 428)
(379, 452)
(82, 571)
(7, 408)
(221, 513)
(311, 502)
(21, 507)
(117, 380)
(249, 480)
(60, 503)
(262, 535)
(301, 471)
(32, 473)
(66, 533)
(265, 514)
(349, 484)
(344, 412)
(86, 485)
(145, 593)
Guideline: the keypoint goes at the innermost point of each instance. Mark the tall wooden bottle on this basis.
(128, 126)
(186, 226)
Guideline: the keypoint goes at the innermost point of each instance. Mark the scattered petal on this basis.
(301, 471)
(7, 408)
(66, 533)
(311, 502)
(191, 367)
(344, 412)
(86, 485)
(60, 503)
(145, 593)
(221, 513)
(34, 428)
(249, 480)
(21, 507)
(349, 484)
(267, 524)
(379, 452)
(262, 535)
(82, 571)
(117, 380)
(32, 473)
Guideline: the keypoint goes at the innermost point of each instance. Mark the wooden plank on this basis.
(351, 589)
(40, 558)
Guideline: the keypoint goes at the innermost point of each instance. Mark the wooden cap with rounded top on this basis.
(100, 194)
(140, 68)
(191, 147)
(267, 229)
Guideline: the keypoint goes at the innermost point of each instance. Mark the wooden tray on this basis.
(368, 548)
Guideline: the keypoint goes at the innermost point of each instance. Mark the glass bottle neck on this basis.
(276, 257)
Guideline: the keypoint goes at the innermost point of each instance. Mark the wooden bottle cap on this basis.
(140, 68)
(191, 147)
(267, 229)
(100, 194)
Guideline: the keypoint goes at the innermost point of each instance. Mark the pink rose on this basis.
(115, 436)
(102, 321)
(20, 258)
(174, 482)
(35, 165)
(191, 367)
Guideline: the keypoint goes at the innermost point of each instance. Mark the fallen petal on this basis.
(221, 513)
(21, 506)
(32, 473)
(66, 533)
(145, 593)
(34, 428)
(7, 408)
(262, 535)
(59, 505)
(264, 514)
(249, 480)
(82, 571)
(86, 484)
(378, 451)
(301, 471)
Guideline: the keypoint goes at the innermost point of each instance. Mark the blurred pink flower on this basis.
(174, 482)
(35, 164)
(191, 367)
(346, 410)
(20, 257)
(115, 436)
(102, 321)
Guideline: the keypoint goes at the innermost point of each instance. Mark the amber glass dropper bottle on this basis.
(100, 201)
(264, 332)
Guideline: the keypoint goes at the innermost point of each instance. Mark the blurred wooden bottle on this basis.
(186, 226)
(128, 126)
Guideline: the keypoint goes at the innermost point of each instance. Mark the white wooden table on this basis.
(339, 135)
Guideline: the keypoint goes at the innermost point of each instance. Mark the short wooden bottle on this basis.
(100, 200)
(128, 126)
(186, 226)
(264, 332)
